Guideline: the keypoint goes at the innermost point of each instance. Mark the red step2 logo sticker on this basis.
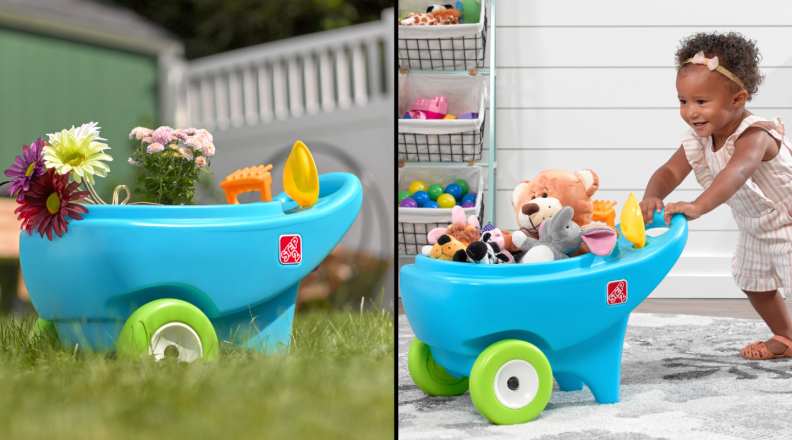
(617, 292)
(290, 249)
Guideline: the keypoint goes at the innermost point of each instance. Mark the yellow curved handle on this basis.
(300, 179)
(632, 224)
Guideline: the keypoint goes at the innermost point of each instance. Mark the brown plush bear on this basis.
(556, 189)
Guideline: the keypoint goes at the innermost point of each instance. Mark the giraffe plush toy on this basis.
(416, 19)
(436, 17)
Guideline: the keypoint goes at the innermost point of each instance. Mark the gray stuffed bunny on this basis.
(560, 237)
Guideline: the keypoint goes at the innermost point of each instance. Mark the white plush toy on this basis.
(433, 8)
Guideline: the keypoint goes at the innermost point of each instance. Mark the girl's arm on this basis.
(749, 151)
(663, 181)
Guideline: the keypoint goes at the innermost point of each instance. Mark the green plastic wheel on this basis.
(168, 328)
(429, 376)
(44, 327)
(511, 382)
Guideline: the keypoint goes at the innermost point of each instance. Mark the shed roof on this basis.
(95, 21)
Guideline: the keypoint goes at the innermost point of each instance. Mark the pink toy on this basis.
(435, 108)
(416, 115)
(457, 216)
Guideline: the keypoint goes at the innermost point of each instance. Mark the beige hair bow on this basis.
(713, 64)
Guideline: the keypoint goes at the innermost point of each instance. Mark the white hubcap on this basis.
(516, 384)
(177, 340)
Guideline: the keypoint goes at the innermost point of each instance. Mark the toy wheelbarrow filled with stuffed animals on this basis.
(505, 331)
(174, 280)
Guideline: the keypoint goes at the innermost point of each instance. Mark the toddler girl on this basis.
(742, 160)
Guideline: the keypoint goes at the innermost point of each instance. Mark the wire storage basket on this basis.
(448, 47)
(442, 140)
(415, 223)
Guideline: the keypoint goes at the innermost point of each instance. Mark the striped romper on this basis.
(763, 259)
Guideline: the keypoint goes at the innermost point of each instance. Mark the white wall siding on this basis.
(525, 46)
(624, 13)
(615, 87)
(592, 85)
(332, 90)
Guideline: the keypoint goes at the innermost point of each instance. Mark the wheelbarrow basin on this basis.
(459, 309)
(224, 259)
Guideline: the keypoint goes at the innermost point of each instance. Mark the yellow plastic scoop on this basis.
(300, 179)
(632, 224)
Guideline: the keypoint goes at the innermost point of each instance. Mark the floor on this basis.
(727, 308)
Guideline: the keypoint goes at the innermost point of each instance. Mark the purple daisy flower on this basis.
(26, 167)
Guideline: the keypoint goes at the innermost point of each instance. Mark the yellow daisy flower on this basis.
(77, 150)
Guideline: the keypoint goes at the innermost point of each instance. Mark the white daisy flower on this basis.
(76, 150)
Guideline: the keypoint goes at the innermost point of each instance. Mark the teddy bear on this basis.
(533, 213)
(540, 198)
(560, 237)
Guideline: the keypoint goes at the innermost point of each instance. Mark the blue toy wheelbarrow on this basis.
(505, 331)
(175, 280)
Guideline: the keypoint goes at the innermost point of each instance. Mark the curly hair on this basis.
(735, 53)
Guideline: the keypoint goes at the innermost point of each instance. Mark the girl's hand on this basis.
(649, 205)
(690, 210)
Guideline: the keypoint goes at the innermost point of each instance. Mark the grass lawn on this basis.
(337, 382)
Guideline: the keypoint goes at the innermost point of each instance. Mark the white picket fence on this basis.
(318, 73)
(333, 90)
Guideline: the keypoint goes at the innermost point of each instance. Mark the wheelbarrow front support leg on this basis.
(568, 382)
(595, 362)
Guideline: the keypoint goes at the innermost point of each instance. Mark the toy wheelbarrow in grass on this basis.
(505, 331)
(175, 280)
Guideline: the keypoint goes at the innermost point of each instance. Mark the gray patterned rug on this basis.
(682, 378)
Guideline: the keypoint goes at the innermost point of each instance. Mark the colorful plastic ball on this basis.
(421, 197)
(403, 195)
(430, 204)
(462, 184)
(435, 191)
(458, 203)
(455, 190)
(409, 202)
(468, 205)
(470, 192)
(446, 201)
(417, 186)
(469, 198)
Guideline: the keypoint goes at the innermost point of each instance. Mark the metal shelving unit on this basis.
(492, 163)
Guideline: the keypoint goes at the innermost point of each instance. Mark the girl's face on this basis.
(706, 101)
